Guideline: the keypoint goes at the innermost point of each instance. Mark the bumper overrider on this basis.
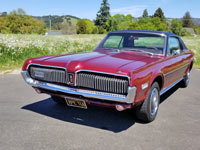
(129, 98)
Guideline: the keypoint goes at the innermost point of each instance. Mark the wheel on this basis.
(148, 110)
(58, 100)
(184, 83)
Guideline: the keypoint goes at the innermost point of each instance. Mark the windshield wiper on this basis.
(137, 50)
(109, 48)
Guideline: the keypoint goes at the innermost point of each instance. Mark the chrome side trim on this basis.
(86, 93)
(170, 86)
(176, 69)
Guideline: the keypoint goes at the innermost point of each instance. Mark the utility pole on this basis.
(50, 22)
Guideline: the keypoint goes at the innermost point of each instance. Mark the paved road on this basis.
(32, 121)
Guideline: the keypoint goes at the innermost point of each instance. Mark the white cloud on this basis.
(135, 10)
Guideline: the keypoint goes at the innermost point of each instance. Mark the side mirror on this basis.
(176, 52)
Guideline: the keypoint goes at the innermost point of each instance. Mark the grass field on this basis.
(15, 49)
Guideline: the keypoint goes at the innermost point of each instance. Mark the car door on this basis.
(174, 61)
(186, 56)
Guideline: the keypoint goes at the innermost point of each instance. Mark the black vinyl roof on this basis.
(144, 31)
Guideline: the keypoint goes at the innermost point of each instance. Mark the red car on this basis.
(128, 69)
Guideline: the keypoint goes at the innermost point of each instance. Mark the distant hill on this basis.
(56, 20)
(196, 21)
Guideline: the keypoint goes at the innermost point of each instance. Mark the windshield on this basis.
(140, 42)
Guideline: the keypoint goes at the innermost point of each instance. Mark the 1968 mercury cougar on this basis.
(128, 69)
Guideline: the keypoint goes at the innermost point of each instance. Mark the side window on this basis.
(173, 44)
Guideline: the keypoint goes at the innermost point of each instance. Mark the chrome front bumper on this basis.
(85, 93)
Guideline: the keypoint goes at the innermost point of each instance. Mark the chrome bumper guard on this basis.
(85, 93)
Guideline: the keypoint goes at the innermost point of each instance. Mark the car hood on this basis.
(103, 61)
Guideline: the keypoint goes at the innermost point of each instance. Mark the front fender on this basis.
(143, 81)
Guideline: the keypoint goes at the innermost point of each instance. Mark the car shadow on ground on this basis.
(101, 118)
(169, 93)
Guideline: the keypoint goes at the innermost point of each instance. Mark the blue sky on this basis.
(89, 8)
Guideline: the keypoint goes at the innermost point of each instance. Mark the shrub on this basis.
(95, 30)
(177, 27)
(102, 30)
(85, 26)
(197, 30)
(184, 32)
(21, 24)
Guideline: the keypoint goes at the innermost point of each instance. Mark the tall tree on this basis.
(159, 13)
(145, 14)
(103, 14)
(187, 20)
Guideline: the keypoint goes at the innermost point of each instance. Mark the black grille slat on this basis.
(102, 82)
(49, 74)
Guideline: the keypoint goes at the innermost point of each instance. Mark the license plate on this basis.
(76, 103)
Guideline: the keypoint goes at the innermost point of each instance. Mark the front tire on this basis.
(148, 110)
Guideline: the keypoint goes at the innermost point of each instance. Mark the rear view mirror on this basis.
(176, 52)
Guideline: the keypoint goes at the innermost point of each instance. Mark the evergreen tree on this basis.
(187, 20)
(159, 13)
(145, 14)
(103, 14)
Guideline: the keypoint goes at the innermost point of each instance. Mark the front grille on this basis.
(102, 82)
(53, 75)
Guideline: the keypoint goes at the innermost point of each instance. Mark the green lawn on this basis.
(15, 49)
(193, 43)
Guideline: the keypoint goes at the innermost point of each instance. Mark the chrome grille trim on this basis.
(54, 75)
(129, 98)
(102, 82)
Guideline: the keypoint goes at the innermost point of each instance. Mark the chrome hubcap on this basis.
(187, 77)
(154, 101)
